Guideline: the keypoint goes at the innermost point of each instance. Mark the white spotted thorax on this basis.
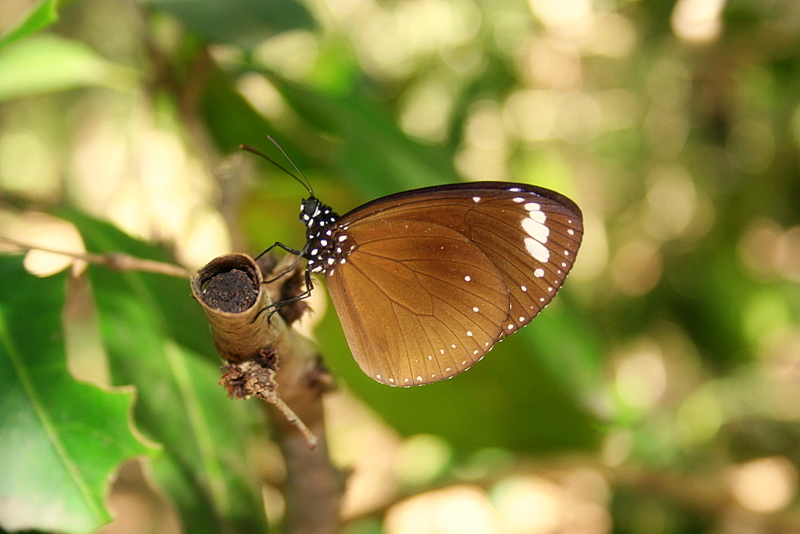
(327, 245)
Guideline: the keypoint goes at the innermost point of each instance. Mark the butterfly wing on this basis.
(412, 309)
(407, 290)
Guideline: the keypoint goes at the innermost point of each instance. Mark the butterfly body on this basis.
(426, 281)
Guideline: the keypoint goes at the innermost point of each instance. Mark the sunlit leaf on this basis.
(39, 16)
(46, 64)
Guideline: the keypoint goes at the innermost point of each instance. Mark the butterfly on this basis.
(426, 282)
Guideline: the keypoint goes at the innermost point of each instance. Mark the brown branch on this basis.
(115, 260)
(262, 353)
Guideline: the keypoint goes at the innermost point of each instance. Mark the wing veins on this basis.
(442, 260)
(506, 223)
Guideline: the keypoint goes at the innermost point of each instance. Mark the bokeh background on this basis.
(659, 392)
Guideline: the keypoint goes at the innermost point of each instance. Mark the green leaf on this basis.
(243, 23)
(46, 64)
(40, 15)
(231, 120)
(376, 155)
(158, 339)
(510, 399)
(566, 343)
(60, 440)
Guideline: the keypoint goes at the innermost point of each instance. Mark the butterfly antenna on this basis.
(307, 183)
(304, 182)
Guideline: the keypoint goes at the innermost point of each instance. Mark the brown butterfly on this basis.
(425, 282)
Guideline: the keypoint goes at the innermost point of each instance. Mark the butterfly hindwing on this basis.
(418, 302)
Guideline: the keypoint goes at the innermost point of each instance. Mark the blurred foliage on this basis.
(659, 393)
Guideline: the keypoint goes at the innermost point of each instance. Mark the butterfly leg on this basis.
(276, 306)
(304, 295)
(298, 253)
(282, 246)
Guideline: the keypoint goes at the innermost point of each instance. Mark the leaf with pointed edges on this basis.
(158, 340)
(60, 440)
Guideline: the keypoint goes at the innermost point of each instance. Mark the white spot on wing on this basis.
(538, 273)
(476, 199)
(468, 278)
(537, 250)
(535, 229)
(533, 206)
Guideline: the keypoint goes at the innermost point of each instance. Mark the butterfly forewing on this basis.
(534, 248)
(418, 302)
(427, 281)
(529, 233)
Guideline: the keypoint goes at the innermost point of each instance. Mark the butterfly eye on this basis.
(309, 209)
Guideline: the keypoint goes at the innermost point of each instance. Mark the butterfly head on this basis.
(316, 216)
(310, 209)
